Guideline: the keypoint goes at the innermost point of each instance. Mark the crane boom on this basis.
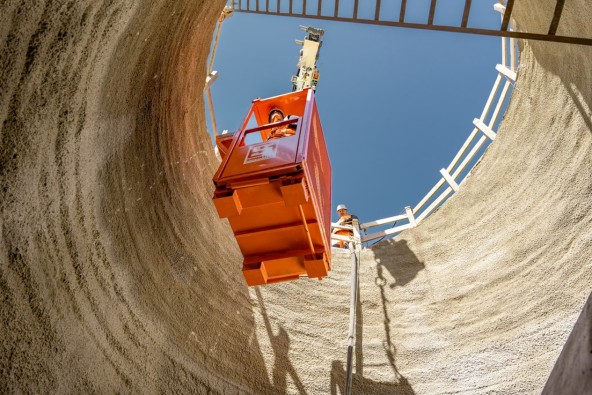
(307, 75)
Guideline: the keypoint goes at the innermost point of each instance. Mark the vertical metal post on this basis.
(212, 113)
(377, 10)
(507, 15)
(213, 53)
(355, 247)
(212, 75)
(432, 12)
(403, 8)
(466, 12)
(556, 17)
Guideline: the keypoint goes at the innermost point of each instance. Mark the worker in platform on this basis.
(277, 115)
(344, 219)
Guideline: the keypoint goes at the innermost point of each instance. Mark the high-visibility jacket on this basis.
(345, 220)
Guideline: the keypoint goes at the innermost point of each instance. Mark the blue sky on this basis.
(396, 104)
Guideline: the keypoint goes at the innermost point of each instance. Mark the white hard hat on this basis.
(341, 207)
(275, 111)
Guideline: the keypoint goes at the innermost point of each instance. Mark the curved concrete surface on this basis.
(116, 274)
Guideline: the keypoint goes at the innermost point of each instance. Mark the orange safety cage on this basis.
(276, 192)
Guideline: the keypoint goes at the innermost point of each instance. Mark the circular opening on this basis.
(396, 104)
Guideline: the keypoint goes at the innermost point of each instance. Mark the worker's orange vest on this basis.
(344, 232)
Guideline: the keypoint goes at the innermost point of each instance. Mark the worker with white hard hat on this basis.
(345, 219)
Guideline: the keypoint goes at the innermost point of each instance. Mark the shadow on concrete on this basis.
(397, 259)
(580, 105)
(362, 385)
(572, 373)
(280, 344)
(553, 57)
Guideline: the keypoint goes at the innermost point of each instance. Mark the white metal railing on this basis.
(212, 75)
(482, 134)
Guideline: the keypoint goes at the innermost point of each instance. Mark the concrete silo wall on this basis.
(117, 275)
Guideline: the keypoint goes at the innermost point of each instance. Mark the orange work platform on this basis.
(274, 186)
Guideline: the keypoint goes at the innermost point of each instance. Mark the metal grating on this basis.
(289, 8)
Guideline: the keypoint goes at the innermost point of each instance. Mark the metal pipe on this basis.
(213, 54)
(351, 337)
(212, 113)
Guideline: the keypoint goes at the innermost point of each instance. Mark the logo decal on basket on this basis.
(260, 152)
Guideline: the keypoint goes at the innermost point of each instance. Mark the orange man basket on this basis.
(275, 190)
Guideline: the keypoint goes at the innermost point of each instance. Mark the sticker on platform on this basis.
(260, 152)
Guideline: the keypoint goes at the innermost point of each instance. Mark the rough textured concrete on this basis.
(117, 276)
(572, 373)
